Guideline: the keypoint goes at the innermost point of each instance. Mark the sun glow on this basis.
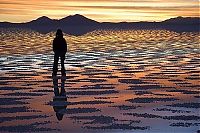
(105, 10)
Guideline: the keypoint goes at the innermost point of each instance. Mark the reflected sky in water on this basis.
(117, 81)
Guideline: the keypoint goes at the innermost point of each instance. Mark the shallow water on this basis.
(117, 81)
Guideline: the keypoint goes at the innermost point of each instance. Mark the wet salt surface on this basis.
(117, 81)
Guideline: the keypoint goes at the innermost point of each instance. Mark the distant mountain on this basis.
(41, 21)
(79, 25)
(182, 24)
(182, 20)
(77, 20)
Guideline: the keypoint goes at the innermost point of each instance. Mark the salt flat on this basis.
(117, 81)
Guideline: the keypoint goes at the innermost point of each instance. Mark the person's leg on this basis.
(55, 64)
(62, 64)
(55, 86)
(62, 93)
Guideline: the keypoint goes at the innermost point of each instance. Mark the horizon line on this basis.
(95, 20)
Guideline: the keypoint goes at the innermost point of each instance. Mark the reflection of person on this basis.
(60, 99)
(59, 49)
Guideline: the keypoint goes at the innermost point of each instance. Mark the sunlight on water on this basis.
(119, 81)
(29, 42)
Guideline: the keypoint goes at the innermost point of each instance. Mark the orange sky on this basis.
(100, 10)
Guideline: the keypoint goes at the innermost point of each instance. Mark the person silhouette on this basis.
(60, 99)
(59, 49)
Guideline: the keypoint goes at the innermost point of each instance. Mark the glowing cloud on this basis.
(104, 10)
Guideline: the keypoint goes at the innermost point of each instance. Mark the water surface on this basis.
(117, 81)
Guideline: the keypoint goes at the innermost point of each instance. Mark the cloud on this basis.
(104, 10)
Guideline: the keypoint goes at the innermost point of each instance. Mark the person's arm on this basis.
(54, 46)
(65, 44)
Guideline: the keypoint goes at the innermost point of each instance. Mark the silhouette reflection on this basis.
(60, 99)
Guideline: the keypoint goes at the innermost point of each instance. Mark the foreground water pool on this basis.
(117, 81)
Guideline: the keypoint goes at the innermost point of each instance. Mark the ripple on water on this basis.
(116, 80)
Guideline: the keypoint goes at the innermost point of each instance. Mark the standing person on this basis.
(59, 49)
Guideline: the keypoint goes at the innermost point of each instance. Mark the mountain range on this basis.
(79, 25)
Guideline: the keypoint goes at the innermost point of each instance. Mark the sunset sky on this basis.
(100, 10)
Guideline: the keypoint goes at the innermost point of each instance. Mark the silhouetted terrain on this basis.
(79, 25)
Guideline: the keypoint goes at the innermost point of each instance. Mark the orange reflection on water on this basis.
(109, 73)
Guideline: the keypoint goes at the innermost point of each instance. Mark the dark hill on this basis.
(77, 20)
(182, 20)
(79, 25)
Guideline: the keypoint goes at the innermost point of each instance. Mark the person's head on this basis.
(59, 33)
(59, 116)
